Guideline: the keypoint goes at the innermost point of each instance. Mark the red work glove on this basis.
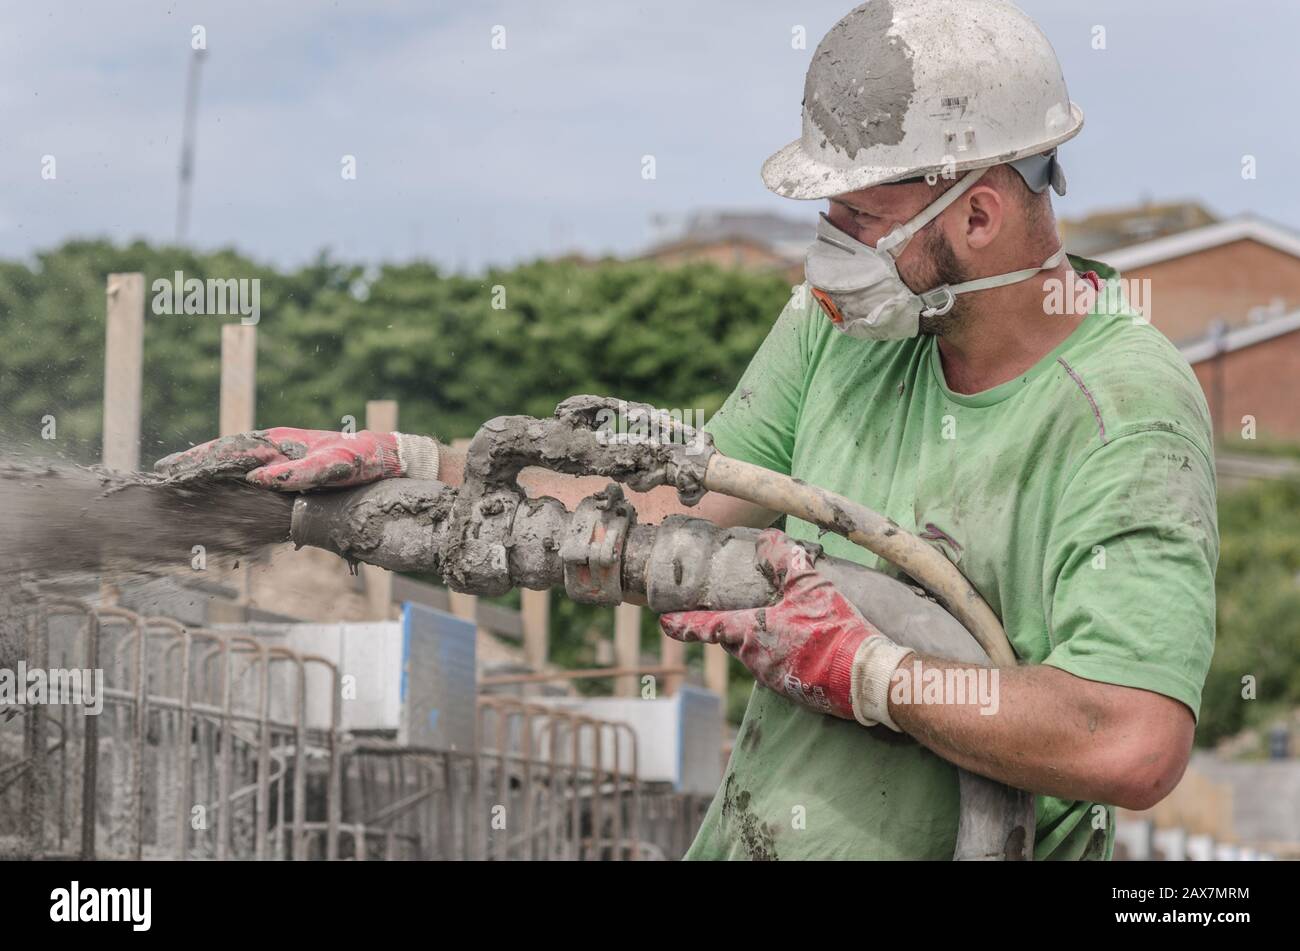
(811, 646)
(294, 460)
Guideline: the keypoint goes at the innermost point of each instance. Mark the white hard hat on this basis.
(904, 88)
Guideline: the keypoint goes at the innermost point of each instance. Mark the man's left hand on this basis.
(812, 646)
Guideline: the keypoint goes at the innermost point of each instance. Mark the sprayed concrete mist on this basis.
(62, 519)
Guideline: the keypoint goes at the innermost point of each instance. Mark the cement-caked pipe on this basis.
(683, 563)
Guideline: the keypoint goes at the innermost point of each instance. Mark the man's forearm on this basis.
(1048, 731)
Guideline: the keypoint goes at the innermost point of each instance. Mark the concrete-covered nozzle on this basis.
(399, 524)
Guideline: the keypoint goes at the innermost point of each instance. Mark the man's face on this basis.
(928, 260)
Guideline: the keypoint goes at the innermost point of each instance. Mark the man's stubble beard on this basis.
(944, 269)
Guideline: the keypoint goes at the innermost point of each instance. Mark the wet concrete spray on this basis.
(59, 519)
(61, 522)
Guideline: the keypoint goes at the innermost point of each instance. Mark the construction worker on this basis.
(932, 369)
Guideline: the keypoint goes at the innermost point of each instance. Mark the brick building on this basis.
(1228, 293)
(736, 251)
(743, 240)
(1121, 227)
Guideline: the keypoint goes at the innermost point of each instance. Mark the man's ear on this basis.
(985, 210)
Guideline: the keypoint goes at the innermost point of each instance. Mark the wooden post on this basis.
(535, 608)
(627, 647)
(464, 605)
(381, 416)
(238, 378)
(715, 670)
(671, 654)
(123, 371)
(238, 411)
(123, 375)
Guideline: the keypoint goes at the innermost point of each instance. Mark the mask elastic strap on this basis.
(940, 300)
(896, 240)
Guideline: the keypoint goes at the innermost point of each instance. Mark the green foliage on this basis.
(1258, 590)
(330, 339)
(52, 321)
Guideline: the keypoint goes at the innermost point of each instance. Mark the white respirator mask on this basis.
(859, 288)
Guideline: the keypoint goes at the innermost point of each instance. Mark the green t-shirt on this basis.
(1079, 499)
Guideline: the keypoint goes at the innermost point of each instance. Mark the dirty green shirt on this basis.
(1078, 498)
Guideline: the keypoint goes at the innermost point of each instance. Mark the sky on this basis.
(468, 155)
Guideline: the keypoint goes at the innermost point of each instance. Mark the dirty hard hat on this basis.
(904, 88)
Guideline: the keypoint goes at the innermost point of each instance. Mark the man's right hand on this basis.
(295, 460)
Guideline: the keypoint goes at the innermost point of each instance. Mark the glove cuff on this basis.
(417, 456)
(840, 682)
(873, 668)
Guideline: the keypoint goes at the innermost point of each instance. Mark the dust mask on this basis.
(859, 288)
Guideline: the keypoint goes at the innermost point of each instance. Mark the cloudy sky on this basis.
(468, 155)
